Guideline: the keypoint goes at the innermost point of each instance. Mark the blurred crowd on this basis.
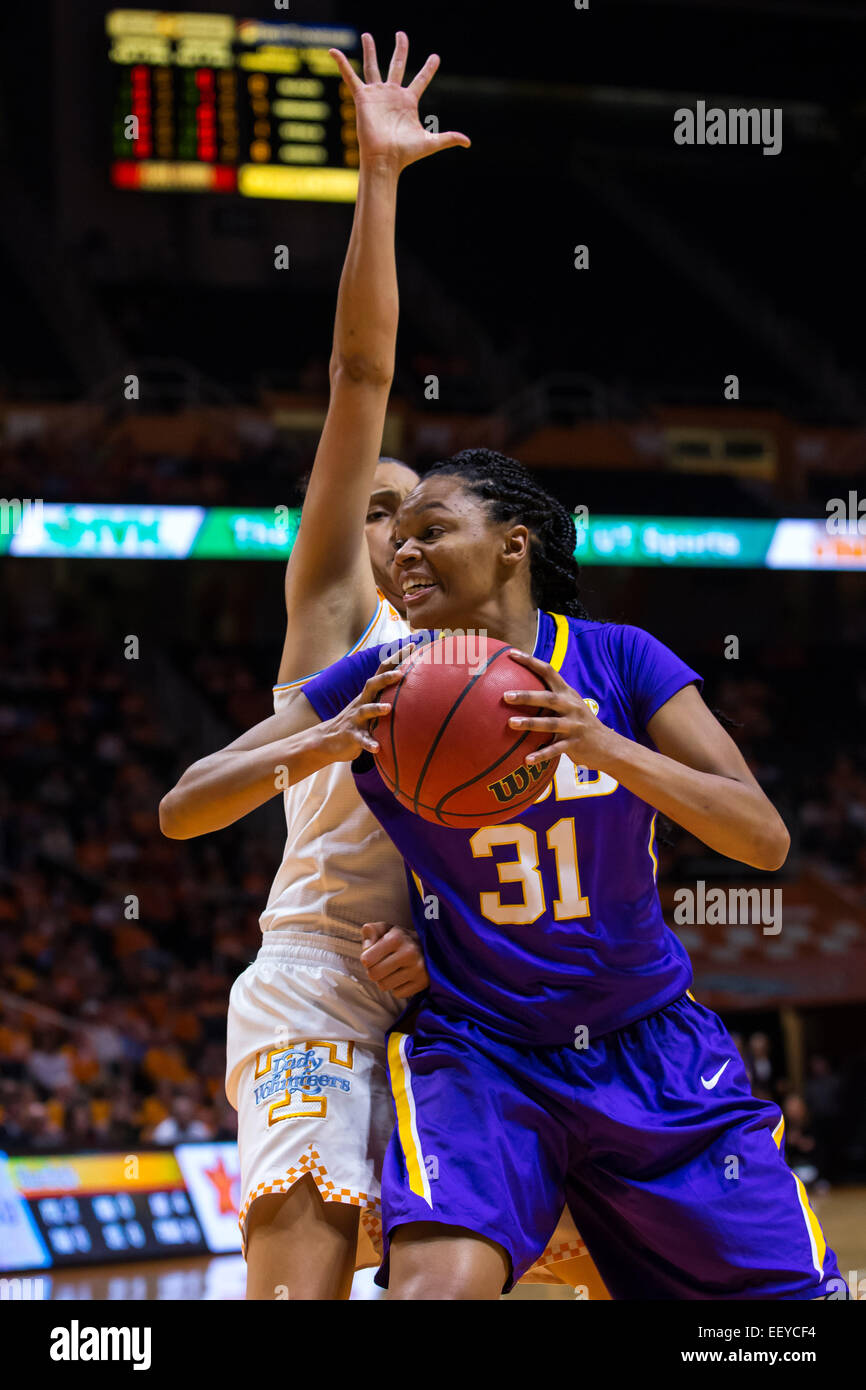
(209, 463)
(818, 1121)
(187, 452)
(118, 947)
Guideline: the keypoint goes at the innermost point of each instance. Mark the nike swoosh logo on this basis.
(708, 1085)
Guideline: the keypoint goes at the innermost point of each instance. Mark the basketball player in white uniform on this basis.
(306, 1027)
(305, 1049)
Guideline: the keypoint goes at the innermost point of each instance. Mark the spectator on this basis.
(801, 1148)
(181, 1125)
(823, 1095)
(49, 1065)
(759, 1065)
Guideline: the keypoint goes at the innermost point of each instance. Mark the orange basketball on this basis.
(446, 751)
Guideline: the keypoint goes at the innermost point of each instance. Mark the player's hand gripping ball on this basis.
(446, 750)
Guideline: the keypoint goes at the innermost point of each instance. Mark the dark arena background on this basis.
(669, 332)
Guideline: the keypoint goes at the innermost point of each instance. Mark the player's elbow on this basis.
(360, 369)
(774, 846)
(171, 821)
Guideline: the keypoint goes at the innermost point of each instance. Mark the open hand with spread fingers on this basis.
(389, 129)
(573, 727)
(347, 734)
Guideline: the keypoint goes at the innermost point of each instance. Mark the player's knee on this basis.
(440, 1286)
(435, 1263)
(426, 1287)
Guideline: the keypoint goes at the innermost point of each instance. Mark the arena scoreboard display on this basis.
(206, 103)
(98, 1208)
(89, 1208)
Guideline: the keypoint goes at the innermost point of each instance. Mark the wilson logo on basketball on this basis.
(516, 782)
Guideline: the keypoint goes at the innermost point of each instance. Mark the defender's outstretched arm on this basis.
(330, 590)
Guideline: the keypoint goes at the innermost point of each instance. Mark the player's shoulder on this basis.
(613, 636)
(386, 625)
(381, 636)
(599, 634)
(614, 645)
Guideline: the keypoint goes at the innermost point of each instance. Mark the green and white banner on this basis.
(86, 531)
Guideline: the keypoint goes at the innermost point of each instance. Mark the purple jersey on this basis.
(551, 922)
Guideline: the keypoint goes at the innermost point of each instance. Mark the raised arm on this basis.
(330, 590)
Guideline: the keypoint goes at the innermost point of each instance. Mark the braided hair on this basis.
(512, 494)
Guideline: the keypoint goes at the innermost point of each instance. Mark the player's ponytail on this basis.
(513, 495)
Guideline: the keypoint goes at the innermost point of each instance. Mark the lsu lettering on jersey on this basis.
(553, 920)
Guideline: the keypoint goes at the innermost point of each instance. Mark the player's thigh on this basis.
(727, 1222)
(471, 1148)
(299, 1246)
(437, 1262)
(680, 1188)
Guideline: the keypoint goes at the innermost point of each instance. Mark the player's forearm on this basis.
(365, 328)
(733, 818)
(225, 786)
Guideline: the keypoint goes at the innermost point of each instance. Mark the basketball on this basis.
(446, 750)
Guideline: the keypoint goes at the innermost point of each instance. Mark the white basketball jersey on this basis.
(339, 868)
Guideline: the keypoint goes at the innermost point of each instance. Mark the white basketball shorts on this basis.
(306, 1072)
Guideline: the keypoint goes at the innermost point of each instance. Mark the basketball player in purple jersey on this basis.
(559, 1052)
(310, 1159)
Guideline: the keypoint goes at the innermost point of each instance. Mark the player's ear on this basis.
(515, 544)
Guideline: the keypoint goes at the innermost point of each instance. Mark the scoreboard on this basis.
(95, 1208)
(89, 1208)
(212, 104)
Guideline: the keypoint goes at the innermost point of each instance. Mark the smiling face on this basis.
(454, 565)
(393, 482)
